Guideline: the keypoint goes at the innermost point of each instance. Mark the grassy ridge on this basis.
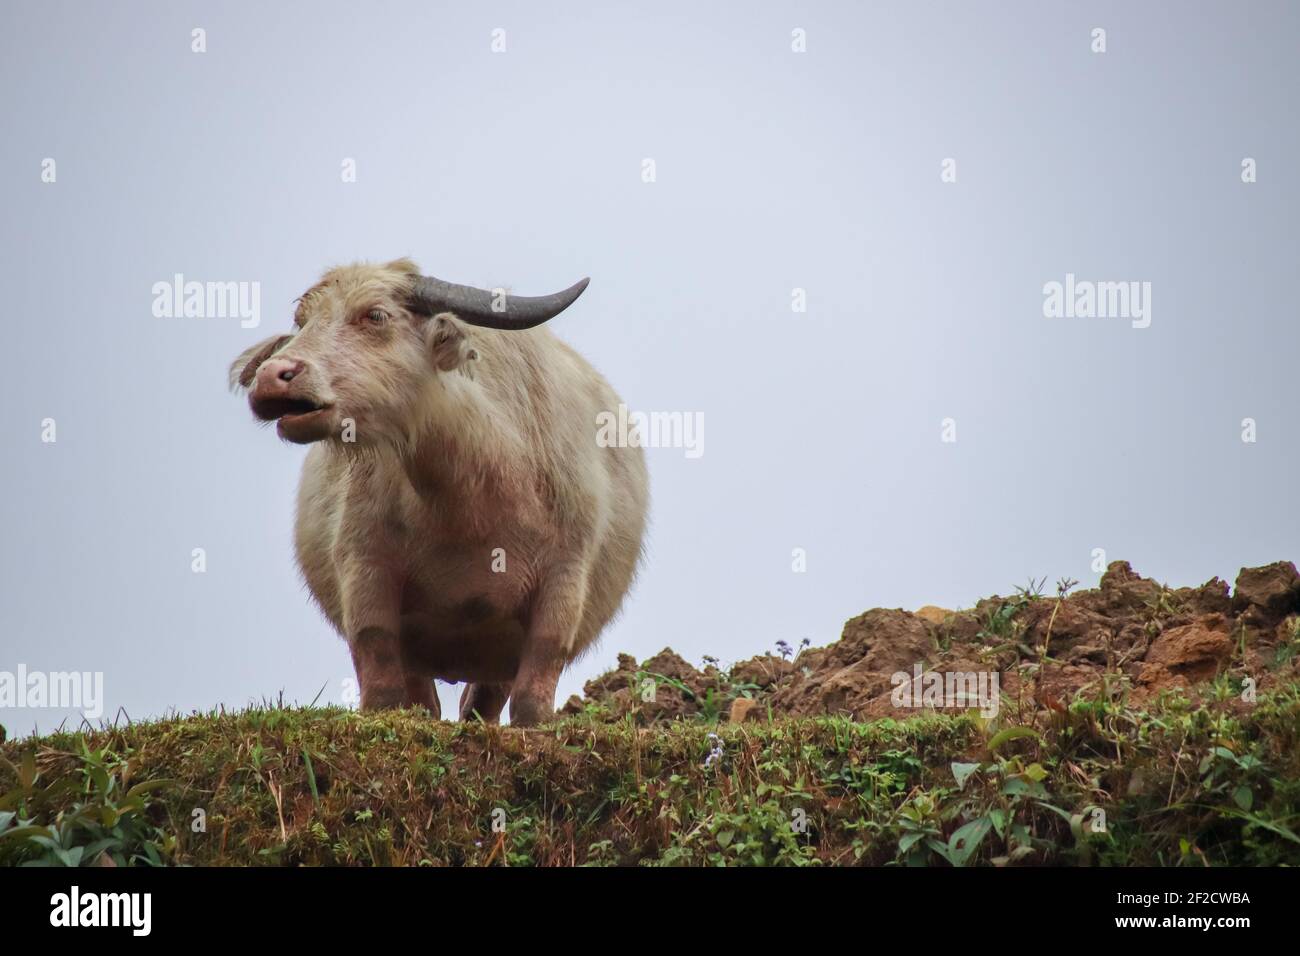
(1097, 783)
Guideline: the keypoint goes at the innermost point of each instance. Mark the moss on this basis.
(1094, 783)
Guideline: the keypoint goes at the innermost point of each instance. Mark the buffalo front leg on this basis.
(371, 623)
(552, 629)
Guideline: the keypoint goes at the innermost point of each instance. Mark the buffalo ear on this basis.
(244, 368)
(449, 347)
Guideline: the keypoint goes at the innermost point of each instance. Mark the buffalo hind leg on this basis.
(483, 702)
(420, 690)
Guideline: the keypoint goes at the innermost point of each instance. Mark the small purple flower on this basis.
(715, 754)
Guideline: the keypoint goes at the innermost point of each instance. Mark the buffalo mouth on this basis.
(298, 420)
(273, 409)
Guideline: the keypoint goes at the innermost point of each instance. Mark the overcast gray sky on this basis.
(775, 170)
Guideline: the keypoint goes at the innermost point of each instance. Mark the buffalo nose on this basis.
(281, 369)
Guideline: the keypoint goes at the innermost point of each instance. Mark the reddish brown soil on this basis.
(1130, 635)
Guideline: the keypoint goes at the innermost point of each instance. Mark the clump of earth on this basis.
(1129, 636)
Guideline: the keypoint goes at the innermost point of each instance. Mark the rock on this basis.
(933, 614)
(671, 673)
(1188, 654)
(1210, 598)
(1061, 682)
(845, 677)
(1072, 625)
(612, 681)
(1122, 592)
(845, 692)
(884, 640)
(1087, 653)
(762, 671)
(1269, 593)
(1196, 632)
(740, 709)
(573, 705)
(668, 663)
(1118, 573)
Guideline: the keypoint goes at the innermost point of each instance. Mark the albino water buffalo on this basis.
(457, 517)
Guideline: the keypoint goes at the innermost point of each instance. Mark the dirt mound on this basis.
(1130, 635)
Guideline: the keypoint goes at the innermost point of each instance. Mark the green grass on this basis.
(1096, 784)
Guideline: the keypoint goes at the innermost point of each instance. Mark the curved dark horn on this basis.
(475, 306)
